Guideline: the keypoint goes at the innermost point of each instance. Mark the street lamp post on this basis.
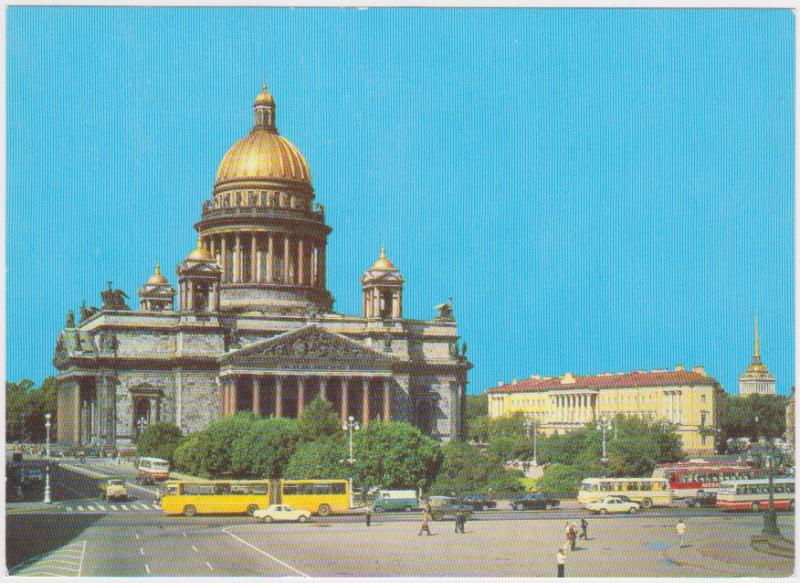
(47, 439)
(351, 425)
(530, 422)
(604, 425)
(47, 484)
(770, 516)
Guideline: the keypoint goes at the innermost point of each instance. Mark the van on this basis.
(395, 500)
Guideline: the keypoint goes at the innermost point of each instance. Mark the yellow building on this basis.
(560, 404)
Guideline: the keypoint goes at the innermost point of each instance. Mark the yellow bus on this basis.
(321, 497)
(190, 498)
(217, 497)
(647, 491)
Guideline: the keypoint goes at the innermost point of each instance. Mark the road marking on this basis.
(137, 537)
(147, 568)
(103, 508)
(125, 508)
(194, 548)
(94, 474)
(58, 560)
(184, 534)
(265, 553)
(69, 508)
(80, 508)
(144, 506)
(141, 551)
(210, 568)
(90, 508)
(114, 508)
(156, 506)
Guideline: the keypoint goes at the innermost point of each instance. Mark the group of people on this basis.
(571, 531)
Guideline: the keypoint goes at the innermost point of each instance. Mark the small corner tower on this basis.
(382, 287)
(199, 281)
(156, 295)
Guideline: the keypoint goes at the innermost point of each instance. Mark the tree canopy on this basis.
(737, 417)
(26, 407)
(264, 448)
(159, 440)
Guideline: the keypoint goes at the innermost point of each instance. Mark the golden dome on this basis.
(264, 98)
(383, 263)
(266, 155)
(200, 253)
(157, 278)
(263, 154)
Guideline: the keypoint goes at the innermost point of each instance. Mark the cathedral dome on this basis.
(383, 263)
(263, 154)
(157, 278)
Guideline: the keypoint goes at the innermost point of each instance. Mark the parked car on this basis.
(444, 506)
(113, 489)
(702, 499)
(479, 502)
(282, 513)
(33, 475)
(388, 500)
(612, 505)
(535, 501)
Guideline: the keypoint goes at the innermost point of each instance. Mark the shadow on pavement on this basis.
(29, 535)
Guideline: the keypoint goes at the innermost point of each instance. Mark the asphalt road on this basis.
(81, 534)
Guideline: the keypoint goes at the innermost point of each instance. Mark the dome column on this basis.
(253, 251)
(237, 259)
(286, 259)
(224, 256)
(270, 258)
(301, 262)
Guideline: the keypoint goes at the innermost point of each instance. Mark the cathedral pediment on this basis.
(207, 269)
(311, 347)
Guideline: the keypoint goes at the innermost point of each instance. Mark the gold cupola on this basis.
(199, 253)
(157, 278)
(263, 156)
(383, 263)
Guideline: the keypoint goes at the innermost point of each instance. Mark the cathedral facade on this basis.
(251, 327)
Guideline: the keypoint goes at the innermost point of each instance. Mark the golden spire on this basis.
(756, 343)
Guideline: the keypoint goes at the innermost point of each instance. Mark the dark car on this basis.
(535, 501)
(446, 506)
(702, 499)
(478, 502)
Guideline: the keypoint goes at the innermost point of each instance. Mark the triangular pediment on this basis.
(312, 348)
(209, 269)
(383, 277)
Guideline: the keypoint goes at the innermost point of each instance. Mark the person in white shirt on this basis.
(680, 529)
(561, 560)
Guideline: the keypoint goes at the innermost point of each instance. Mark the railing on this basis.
(210, 210)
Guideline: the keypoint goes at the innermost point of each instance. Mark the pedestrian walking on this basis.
(561, 561)
(572, 534)
(369, 516)
(458, 522)
(680, 529)
(584, 529)
(425, 523)
(464, 516)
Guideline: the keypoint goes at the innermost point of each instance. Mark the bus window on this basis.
(291, 489)
(646, 486)
(606, 486)
(221, 489)
(197, 489)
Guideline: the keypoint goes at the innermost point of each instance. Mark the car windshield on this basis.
(116, 483)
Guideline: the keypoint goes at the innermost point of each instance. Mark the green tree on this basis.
(264, 448)
(737, 416)
(324, 458)
(216, 444)
(561, 480)
(395, 455)
(505, 448)
(188, 456)
(159, 440)
(319, 420)
(26, 407)
(467, 469)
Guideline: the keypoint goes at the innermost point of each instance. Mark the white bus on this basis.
(754, 494)
(149, 470)
(646, 491)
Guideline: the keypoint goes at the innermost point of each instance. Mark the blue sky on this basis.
(598, 190)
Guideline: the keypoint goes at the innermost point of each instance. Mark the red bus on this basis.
(687, 481)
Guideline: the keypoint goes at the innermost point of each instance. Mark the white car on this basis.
(612, 505)
(282, 513)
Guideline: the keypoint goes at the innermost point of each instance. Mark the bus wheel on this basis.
(791, 505)
(324, 510)
(408, 508)
(632, 510)
(301, 518)
(700, 492)
(603, 511)
(189, 510)
(755, 507)
(251, 509)
(378, 509)
(647, 503)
